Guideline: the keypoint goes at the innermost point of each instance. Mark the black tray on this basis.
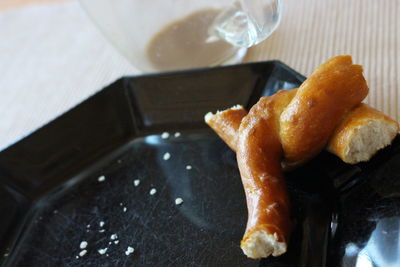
(49, 189)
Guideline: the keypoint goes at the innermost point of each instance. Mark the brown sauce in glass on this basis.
(186, 43)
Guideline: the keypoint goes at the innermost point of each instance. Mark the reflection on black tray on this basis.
(51, 198)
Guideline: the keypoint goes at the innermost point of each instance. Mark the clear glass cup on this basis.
(159, 35)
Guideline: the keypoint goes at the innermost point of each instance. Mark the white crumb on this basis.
(208, 116)
(102, 251)
(164, 135)
(83, 244)
(5, 254)
(136, 182)
(102, 231)
(113, 236)
(101, 224)
(178, 201)
(76, 257)
(101, 178)
(82, 253)
(121, 204)
(88, 226)
(177, 134)
(109, 243)
(129, 250)
(125, 209)
(167, 156)
(153, 191)
(237, 107)
(87, 230)
(116, 242)
(188, 167)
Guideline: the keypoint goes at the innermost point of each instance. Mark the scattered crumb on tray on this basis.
(101, 178)
(178, 201)
(136, 182)
(164, 135)
(177, 134)
(153, 191)
(129, 250)
(102, 251)
(82, 253)
(167, 156)
(101, 224)
(83, 244)
(188, 167)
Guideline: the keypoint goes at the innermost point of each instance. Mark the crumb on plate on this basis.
(178, 201)
(153, 191)
(167, 156)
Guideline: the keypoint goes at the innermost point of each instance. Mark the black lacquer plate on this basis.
(53, 197)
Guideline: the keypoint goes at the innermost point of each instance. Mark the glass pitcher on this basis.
(159, 35)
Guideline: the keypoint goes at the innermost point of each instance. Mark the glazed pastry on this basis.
(259, 153)
(310, 119)
(293, 126)
(362, 133)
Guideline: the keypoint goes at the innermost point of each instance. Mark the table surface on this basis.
(53, 57)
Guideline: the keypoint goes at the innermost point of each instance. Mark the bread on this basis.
(361, 134)
(259, 153)
(293, 126)
(226, 123)
(309, 120)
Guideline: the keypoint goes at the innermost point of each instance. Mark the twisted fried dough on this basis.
(269, 131)
(343, 143)
(335, 88)
(259, 153)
